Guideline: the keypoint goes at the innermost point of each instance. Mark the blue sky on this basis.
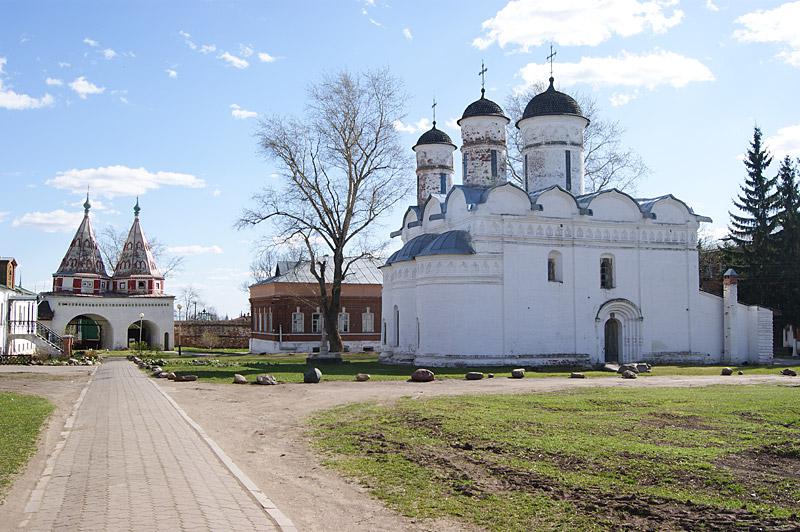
(160, 99)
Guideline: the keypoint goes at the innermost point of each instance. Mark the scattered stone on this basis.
(362, 377)
(614, 368)
(162, 375)
(490, 375)
(266, 380)
(73, 362)
(185, 378)
(474, 376)
(312, 376)
(643, 367)
(740, 372)
(726, 371)
(789, 372)
(518, 373)
(577, 375)
(171, 376)
(157, 370)
(628, 367)
(422, 375)
(628, 374)
(239, 379)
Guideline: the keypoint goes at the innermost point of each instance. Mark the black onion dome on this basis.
(434, 136)
(551, 102)
(482, 107)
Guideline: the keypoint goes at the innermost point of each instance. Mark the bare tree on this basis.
(190, 298)
(607, 162)
(111, 241)
(343, 168)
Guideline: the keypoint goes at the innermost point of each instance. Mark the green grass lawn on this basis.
(590, 459)
(289, 367)
(21, 419)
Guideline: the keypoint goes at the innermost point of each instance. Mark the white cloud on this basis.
(375, 22)
(264, 57)
(53, 82)
(91, 42)
(187, 39)
(407, 33)
(84, 87)
(423, 124)
(207, 48)
(711, 6)
(618, 99)
(529, 23)
(195, 249)
(62, 64)
(114, 181)
(124, 100)
(452, 123)
(647, 70)
(785, 142)
(108, 53)
(15, 101)
(58, 221)
(780, 25)
(4, 215)
(216, 193)
(172, 73)
(245, 51)
(241, 114)
(236, 62)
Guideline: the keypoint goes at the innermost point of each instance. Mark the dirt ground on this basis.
(262, 428)
(61, 385)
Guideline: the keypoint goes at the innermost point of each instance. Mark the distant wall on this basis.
(230, 333)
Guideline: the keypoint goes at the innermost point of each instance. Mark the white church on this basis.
(491, 273)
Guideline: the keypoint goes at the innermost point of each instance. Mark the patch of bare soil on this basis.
(264, 430)
(671, 420)
(61, 385)
(770, 474)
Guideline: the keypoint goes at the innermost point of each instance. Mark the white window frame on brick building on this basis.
(317, 322)
(344, 321)
(368, 321)
(298, 321)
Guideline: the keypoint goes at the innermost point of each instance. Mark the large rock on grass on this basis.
(312, 376)
(474, 376)
(422, 375)
(577, 375)
(362, 377)
(266, 380)
(789, 372)
(518, 373)
(628, 374)
(185, 378)
(726, 371)
(239, 379)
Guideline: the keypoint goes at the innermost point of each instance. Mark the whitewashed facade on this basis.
(542, 274)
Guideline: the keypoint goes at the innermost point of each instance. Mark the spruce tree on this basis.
(787, 253)
(751, 230)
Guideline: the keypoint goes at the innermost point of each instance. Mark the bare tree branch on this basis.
(111, 241)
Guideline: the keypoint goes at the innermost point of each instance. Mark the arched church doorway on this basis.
(144, 330)
(89, 332)
(613, 336)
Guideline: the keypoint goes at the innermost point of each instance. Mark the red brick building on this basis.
(286, 316)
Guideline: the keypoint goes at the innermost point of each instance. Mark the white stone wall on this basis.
(498, 307)
(545, 140)
(4, 293)
(260, 347)
(116, 315)
(480, 136)
(433, 160)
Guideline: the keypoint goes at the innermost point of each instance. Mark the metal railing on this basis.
(29, 327)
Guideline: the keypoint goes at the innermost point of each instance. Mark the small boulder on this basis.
(73, 362)
(726, 371)
(474, 376)
(266, 380)
(157, 370)
(362, 377)
(170, 376)
(628, 374)
(185, 378)
(628, 367)
(577, 375)
(490, 375)
(422, 375)
(518, 373)
(239, 379)
(740, 372)
(643, 368)
(312, 376)
(789, 372)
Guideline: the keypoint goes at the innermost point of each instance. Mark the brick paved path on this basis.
(131, 462)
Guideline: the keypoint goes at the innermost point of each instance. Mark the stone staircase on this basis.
(44, 338)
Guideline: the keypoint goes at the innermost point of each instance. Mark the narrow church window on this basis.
(442, 184)
(396, 326)
(525, 171)
(298, 321)
(554, 267)
(606, 273)
(494, 163)
(383, 334)
(463, 167)
(568, 161)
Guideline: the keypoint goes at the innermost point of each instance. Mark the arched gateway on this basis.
(619, 329)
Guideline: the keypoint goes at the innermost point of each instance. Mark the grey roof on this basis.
(434, 136)
(457, 242)
(551, 102)
(482, 107)
(362, 271)
(411, 248)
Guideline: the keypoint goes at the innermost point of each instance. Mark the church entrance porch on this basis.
(90, 332)
(142, 331)
(619, 331)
